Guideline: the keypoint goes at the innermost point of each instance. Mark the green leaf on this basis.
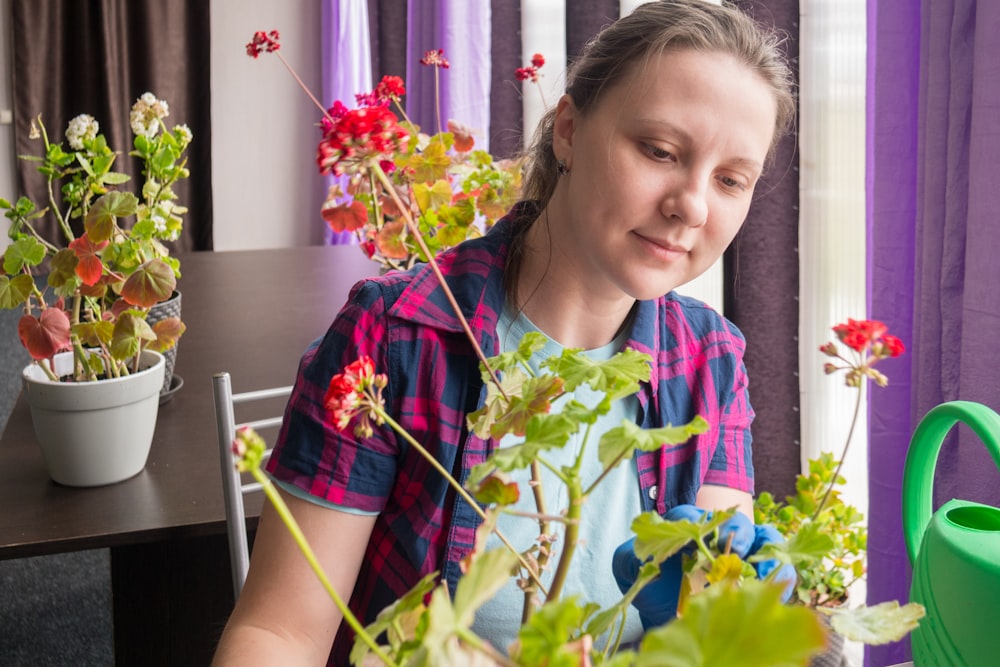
(659, 539)
(619, 443)
(129, 330)
(530, 343)
(15, 291)
(23, 252)
(543, 432)
(115, 178)
(526, 397)
(486, 575)
(736, 627)
(880, 624)
(412, 601)
(546, 638)
(810, 543)
(620, 375)
(100, 221)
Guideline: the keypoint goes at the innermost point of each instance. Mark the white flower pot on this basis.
(94, 433)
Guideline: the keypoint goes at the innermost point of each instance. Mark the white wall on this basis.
(265, 187)
(266, 190)
(6, 129)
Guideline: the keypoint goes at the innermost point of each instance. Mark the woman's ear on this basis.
(563, 129)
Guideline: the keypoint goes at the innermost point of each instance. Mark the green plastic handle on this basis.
(921, 460)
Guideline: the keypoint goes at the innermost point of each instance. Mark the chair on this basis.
(233, 485)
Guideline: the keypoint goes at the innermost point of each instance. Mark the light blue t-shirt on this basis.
(606, 516)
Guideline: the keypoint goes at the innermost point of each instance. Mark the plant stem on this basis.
(571, 536)
(303, 85)
(843, 457)
(303, 543)
(412, 225)
(395, 426)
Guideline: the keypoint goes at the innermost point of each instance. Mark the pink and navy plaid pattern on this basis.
(404, 322)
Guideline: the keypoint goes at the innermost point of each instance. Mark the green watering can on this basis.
(955, 553)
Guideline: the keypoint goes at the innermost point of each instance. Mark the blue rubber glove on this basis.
(745, 539)
(768, 534)
(657, 602)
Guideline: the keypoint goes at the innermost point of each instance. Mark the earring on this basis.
(561, 167)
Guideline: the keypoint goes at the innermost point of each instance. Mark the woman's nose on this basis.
(687, 200)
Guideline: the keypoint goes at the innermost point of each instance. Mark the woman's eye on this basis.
(657, 153)
(731, 182)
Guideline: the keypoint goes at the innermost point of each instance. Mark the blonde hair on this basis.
(651, 29)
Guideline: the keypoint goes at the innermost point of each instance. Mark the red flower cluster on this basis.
(436, 58)
(357, 137)
(345, 396)
(869, 339)
(862, 334)
(530, 73)
(388, 89)
(263, 41)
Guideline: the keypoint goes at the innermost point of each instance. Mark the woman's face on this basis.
(662, 171)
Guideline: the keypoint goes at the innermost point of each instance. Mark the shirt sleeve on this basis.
(311, 454)
(731, 461)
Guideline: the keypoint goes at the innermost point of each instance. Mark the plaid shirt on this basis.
(404, 322)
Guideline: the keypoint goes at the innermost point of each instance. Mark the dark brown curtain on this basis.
(97, 57)
(761, 268)
(762, 290)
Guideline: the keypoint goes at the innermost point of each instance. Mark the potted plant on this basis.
(85, 326)
(828, 538)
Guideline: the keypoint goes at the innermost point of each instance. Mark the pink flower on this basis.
(263, 41)
(436, 58)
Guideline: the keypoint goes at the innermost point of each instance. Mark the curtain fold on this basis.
(933, 135)
(97, 58)
(346, 69)
(761, 287)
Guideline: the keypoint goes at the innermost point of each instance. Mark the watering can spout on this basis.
(955, 552)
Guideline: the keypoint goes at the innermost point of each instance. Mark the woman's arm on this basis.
(284, 615)
(716, 497)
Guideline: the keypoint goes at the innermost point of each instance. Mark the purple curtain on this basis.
(934, 88)
(462, 29)
(346, 68)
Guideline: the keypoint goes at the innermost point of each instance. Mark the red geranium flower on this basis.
(357, 137)
(263, 41)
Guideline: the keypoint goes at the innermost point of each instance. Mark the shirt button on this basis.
(653, 491)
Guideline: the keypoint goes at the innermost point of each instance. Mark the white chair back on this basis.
(233, 485)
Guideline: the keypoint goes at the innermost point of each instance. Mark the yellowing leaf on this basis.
(433, 197)
(879, 624)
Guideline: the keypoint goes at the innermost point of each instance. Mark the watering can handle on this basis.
(921, 460)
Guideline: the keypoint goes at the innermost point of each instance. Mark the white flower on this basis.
(184, 134)
(159, 223)
(146, 115)
(83, 127)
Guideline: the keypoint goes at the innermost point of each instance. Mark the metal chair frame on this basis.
(233, 485)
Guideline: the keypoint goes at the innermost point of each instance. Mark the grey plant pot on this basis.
(94, 433)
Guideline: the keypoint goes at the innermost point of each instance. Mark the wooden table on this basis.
(251, 313)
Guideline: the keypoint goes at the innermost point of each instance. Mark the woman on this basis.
(638, 180)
